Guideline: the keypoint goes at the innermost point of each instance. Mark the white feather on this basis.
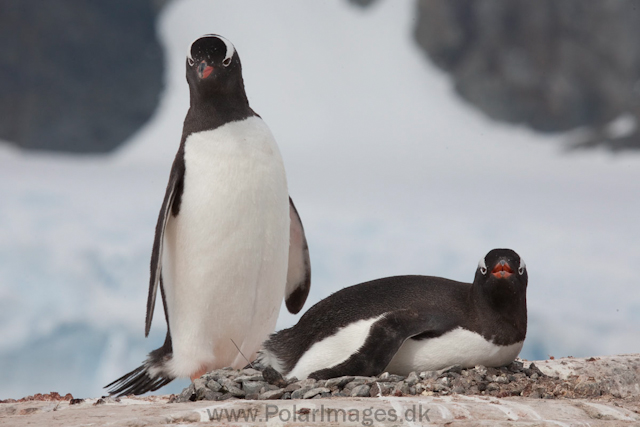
(456, 347)
(333, 350)
(225, 258)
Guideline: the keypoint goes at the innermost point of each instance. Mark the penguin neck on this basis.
(497, 307)
(211, 110)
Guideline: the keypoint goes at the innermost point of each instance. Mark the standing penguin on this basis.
(409, 323)
(229, 243)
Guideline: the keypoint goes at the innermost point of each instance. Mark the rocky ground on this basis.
(570, 391)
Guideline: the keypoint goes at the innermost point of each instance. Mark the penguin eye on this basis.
(483, 270)
(190, 61)
(226, 62)
(521, 270)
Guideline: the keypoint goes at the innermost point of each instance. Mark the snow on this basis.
(391, 174)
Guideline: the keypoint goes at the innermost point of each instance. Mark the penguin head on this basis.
(213, 65)
(502, 275)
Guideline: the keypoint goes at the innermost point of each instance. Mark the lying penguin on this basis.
(409, 323)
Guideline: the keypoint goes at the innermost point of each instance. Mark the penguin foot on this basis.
(198, 374)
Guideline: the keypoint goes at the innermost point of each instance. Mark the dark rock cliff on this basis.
(77, 75)
(553, 65)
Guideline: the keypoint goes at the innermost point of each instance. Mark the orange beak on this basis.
(502, 270)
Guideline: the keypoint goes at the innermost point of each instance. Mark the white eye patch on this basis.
(522, 266)
(482, 265)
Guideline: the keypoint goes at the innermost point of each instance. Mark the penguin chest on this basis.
(456, 347)
(225, 253)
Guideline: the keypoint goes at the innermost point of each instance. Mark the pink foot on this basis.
(198, 374)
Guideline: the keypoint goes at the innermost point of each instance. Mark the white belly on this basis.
(457, 347)
(332, 350)
(225, 254)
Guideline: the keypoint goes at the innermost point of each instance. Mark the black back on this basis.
(494, 308)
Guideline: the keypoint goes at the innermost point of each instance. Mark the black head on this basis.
(213, 67)
(502, 277)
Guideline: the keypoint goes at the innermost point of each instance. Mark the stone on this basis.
(339, 382)
(412, 379)
(292, 387)
(253, 387)
(188, 394)
(213, 385)
(315, 391)
(381, 388)
(243, 378)
(271, 395)
(299, 393)
(273, 377)
(361, 391)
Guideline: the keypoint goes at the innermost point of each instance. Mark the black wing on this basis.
(174, 190)
(299, 270)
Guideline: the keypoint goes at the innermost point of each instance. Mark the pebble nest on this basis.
(265, 383)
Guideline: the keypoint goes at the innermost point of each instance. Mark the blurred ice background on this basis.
(391, 171)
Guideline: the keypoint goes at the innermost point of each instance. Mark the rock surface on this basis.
(611, 386)
(553, 65)
(78, 76)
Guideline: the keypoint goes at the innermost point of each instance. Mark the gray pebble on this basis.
(428, 375)
(502, 380)
(199, 384)
(315, 391)
(459, 390)
(213, 385)
(188, 394)
(250, 371)
(309, 382)
(493, 387)
(253, 387)
(299, 393)
(227, 383)
(381, 388)
(400, 388)
(339, 382)
(355, 383)
(273, 377)
(361, 391)
(271, 395)
(243, 378)
(395, 378)
(211, 395)
(292, 387)
(440, 388)
(236, 392)
(412, 379)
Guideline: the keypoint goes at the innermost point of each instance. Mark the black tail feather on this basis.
(137, 382)
(140, 381)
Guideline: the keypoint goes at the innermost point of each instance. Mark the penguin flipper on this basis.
(175, 182)
(299, 271)
(385, 338)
